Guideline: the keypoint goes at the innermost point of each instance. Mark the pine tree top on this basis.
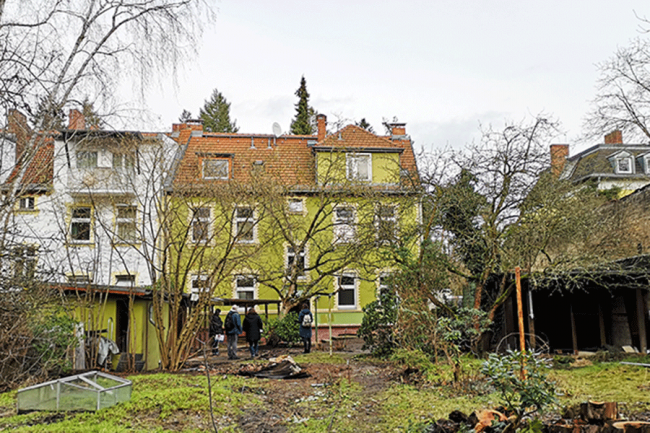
(216, 114)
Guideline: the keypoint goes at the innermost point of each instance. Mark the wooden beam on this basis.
(574, 331)
(640, 317)
(601, 325)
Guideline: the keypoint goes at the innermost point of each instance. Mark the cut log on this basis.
(631, 427)
(486, 417)
(598, 411)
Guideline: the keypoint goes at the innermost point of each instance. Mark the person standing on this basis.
(253, 327)
(233, 329)
(305, 318)
(216, 331)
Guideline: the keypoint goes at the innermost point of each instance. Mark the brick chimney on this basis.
(321, 119)
(559, 154)
(397, 130)
(192, 125)
(17, 125)
(76, 120)
(614, 137)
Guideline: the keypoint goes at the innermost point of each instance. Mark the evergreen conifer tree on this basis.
(302, 123)
(185, 116)
(216, 114)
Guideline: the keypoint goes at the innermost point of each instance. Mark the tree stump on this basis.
(598, 411)
(631, 427)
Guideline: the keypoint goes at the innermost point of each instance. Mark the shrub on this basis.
(283, 329)
(377, 324)
(522, 394)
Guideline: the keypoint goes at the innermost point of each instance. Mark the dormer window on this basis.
(623, 164)
(216, 169)
(359, 167)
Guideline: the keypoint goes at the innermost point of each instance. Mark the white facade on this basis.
(99, 222)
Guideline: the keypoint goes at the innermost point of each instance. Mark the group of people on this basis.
(233, 327)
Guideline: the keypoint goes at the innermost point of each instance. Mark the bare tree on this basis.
(623, 94)
(54, 53)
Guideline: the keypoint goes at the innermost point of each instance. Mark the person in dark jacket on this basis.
(305, 331)
(234, 333)
(216, 331)
(253, 327)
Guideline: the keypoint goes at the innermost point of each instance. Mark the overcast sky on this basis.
(441, 66)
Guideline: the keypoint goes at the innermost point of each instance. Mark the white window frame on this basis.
(196, 289)
(79, 278)
(646, 164)
(125, 280)
(393, 222)
(205, 162)
(352, 161)
(123, 221)
(87, 159)
(354, 287)
(237, 289)
(344, 230)
(629, 160)
(27, 204)
(237, 220)
(25, 261)
(289, 253)
(124, 161)
(296, 205)
(201, 220)
(81, 220)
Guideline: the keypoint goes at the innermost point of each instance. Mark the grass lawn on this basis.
(343, 394)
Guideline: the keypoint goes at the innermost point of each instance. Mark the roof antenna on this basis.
(277, 131)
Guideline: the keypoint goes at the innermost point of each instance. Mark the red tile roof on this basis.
(289, 158)
(40, 171)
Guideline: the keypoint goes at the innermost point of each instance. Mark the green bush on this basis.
(377, 323)
(283, 329)
(521, 395)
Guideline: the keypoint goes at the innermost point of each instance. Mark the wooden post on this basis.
(520, 310)
(601, 325)
(531, 321)
(640, 317)
(574, 331)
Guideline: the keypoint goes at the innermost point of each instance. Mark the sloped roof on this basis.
(353, 137)
(595, 162)
(40, 170)
(287, 158)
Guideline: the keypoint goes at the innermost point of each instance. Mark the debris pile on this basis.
(590, 417)
(282, 367)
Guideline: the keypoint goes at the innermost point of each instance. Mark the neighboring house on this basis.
(84, 221)
(612, 164)
(301, 217)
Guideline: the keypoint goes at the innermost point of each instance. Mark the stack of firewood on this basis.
(596, 417)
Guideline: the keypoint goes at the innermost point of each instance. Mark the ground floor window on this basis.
(347, 291)
(245, 287)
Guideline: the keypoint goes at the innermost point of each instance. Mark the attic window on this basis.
(624, 164)
(359, 167)
(216, 168)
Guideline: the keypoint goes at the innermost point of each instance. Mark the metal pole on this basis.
(330, 323)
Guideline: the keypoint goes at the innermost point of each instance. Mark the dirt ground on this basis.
(285, 400)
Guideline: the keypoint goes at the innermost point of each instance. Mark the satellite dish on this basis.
(277, 129)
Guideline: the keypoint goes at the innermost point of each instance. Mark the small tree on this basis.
(521, 381)
(216, 114)
(377, 323)
(185, 116)
(302, 123)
